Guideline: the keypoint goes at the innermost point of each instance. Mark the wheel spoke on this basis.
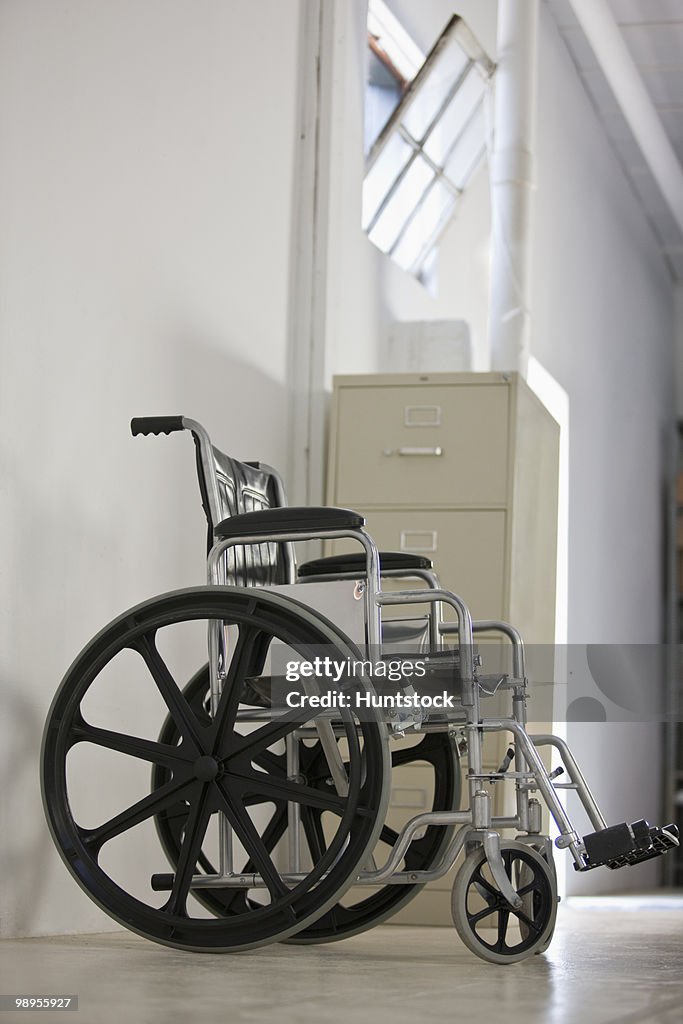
(331, 919)
(313, 830)
(254, 845)
(521, 916)
(259, 740)
(272, 763)
(234, 900)
(388, 836)
(175, 700)
(408, 755)
(295, 792)
(195, 830)
(256, 799)
(480, 915)
(172, 820)
(412, 860)
(503, 918)
(238, 669)
(275, 828)
(138, 812)
(134, 746)
(176, 813)
(531, 887)
(312, 827)
(479, 878)
(199, 705)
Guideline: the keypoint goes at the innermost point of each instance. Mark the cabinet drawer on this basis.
(422, 445)
(467, 548)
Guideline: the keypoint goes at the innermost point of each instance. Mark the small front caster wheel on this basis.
(483, 918)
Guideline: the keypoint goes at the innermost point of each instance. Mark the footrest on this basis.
(620, 845)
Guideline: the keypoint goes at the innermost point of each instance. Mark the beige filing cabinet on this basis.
(463, 468)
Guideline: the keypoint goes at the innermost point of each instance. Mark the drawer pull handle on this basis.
(418, 540)
(437, 451)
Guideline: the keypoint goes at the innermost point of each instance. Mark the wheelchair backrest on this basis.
(246, 487)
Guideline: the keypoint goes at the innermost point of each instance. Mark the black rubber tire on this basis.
(237, 773)
(531, 900)
(342, 920)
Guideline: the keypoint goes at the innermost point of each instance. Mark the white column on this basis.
(308, 271)
(512, 184)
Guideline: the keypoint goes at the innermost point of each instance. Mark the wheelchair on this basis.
(272, 814)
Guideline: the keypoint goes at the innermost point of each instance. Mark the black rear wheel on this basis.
(360, 909)
(217, 769)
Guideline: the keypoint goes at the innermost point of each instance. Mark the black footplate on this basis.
(624, 844)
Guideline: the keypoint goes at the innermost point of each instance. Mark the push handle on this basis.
(155, 424)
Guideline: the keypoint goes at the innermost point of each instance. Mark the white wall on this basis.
(365, 290)
(145, 195)
(603, 326)
(463, 274)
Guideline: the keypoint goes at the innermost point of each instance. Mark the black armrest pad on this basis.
(355, 562)
(289, 520)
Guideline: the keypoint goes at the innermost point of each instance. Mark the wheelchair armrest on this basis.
(269, 521)
(355, 563)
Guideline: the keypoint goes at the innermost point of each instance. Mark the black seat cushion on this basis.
(355, 562)
(289, 520)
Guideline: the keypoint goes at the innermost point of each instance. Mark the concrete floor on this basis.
(612, 960)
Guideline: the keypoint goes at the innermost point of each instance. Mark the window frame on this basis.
(476, 57)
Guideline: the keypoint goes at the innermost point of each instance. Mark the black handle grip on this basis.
(162, 882)
(155, 424)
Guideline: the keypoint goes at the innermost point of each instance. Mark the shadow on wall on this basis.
(244, 408)
(125, 523)
(26, 846)
(245, 411)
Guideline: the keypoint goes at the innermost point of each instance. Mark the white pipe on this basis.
(512, 183)
(621, 72)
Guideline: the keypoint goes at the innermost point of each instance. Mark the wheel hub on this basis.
(206, 768)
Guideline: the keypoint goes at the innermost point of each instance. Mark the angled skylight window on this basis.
(393, 61)
(433, 137)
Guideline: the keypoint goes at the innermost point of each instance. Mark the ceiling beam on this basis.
(621, 71)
